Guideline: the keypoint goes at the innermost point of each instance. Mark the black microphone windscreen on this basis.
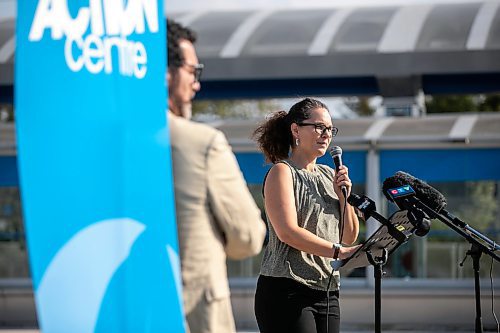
(426, 193)
(335, 150)
(389, 183)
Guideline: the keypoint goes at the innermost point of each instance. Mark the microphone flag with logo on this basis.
(95, 169)
(423, 191)
(396, 189)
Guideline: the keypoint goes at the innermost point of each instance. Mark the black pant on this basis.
(284, 305)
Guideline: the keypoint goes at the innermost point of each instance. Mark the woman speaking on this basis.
(308, 220)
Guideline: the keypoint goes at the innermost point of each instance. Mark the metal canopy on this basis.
(453, 130)
(445, 48)
(437, 131)
(440, 48)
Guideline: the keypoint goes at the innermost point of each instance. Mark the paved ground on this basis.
(347, 329)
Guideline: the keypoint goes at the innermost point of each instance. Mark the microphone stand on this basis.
(477, 249)
(378, 263)
(377, 248)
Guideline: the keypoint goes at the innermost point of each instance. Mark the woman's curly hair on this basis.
(274, 136)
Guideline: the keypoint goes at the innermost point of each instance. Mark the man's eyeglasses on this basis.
(322, 129)
(197, 70)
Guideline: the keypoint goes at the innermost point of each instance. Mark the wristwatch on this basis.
(336, 250)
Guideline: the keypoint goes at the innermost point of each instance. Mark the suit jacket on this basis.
(216, 214)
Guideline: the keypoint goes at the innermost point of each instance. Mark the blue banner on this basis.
(94, 165)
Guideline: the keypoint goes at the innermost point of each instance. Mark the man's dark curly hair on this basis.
(175, 33)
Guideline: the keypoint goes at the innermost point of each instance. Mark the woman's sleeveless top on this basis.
(318, 210)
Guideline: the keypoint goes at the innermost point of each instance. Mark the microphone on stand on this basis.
(423, 191)
(336, 153)
(404, 196)
(363, 205)
(433, 203)
(426, 194)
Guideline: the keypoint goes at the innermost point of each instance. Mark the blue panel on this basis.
(443, 165)
(447, 165)
(355, 161)
(8, 171)
(95, 167)
(254, 168)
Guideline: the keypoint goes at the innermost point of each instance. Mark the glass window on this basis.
(13, 254)
(286, 32)
(494, 34)
(7, 32)
(440, 253)
(447, 28)
(215, 29)
(249, 267)
(362, 31)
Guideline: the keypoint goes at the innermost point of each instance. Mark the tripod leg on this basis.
(475, 253)
(378, 263)
(378, 298)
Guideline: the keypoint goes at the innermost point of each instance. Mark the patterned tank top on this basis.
(318, 210)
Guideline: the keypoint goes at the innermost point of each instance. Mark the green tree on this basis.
(235, 109)
(463, 103)
(474, 203)
(452, 103)
(490, 103)
(363, 108)
(6, 113)
(10, 213)
(481, 211)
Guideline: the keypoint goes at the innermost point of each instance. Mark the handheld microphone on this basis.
(336, 153)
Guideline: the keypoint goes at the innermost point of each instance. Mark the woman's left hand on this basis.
(347, 251)
(342, 179)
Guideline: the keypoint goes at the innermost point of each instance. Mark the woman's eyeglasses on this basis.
(322, 129)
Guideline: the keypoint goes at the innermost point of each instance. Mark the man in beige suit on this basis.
(216, 214)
